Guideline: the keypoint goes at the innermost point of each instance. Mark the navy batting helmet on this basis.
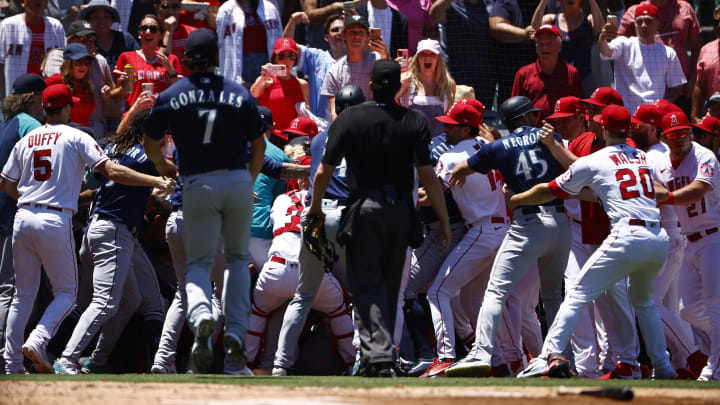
(515, 107)
(348, 96)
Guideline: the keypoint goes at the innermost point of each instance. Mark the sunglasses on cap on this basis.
(166, 6)
(153, 28)
(679, 134)
(290, 56)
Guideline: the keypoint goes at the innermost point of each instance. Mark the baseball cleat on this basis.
(420, 366)
(235, 347)
(469, 367)
(623, 371)
(438, 368)
(664, 373)
(64, 366)
(38, 356)
(279, 372)
(555, 366)
(202, 353)
(91, 367)
(163, 369)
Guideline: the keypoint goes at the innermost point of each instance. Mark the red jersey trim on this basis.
(102, 159)
(557, 190)
(9, 178)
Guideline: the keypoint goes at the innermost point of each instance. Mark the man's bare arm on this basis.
(294, 171)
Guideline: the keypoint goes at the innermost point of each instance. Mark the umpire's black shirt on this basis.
(381, 144)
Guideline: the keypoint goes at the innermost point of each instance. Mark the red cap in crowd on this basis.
(646, 9)
(477, 105)
(710, 124)
(604, 96)
(57, 95)
(302, 126)
(567, 107)
(646, 114)
(675, 121)
(461, 114)
(285, 44)
(549, 28)
(615, 118)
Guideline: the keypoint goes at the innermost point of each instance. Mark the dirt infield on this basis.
(112, 393)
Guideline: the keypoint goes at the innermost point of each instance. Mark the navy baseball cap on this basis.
(79, 28)
(265, 114)
(75, 51)
(28, 83)
(201, 43)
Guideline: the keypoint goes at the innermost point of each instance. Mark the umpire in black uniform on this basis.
(382, 144)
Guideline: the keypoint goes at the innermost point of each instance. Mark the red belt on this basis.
(48, 207)
(693, 237)
(277, 259)
(638, 222)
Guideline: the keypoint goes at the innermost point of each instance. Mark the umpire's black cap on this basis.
(385, 76)
(515, 107)
(28, 83)
(201, 43)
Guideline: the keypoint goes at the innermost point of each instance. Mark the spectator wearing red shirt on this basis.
(75, 73)
(547, 79)
(678, 28)
(149, 63)
(175, 32)
(708, 70)
(281, 91)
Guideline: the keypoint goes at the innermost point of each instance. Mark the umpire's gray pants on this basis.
(218, 204)
(544, 238)
(311, 277)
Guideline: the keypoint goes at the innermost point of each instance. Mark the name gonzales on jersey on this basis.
(201, 96)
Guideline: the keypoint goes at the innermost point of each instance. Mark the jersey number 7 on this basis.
(209, 124)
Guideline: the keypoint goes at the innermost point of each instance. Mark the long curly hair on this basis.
(132, 134)
(66, 71)
(14, 104)
(441, 77)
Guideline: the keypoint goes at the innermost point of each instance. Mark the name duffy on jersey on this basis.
(201, 96)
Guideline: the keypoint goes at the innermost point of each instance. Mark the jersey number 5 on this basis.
(211, 114)
(628, 180)
(41, 164)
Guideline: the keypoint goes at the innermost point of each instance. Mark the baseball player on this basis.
(622, 180)
(538, 233)
(117, 293)
(482, 205)
(25, 38)
(311, 268)
(204, 113)
(690, 173)
(44, 173)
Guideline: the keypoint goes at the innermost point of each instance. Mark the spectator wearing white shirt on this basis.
(392, 23)
(645, 70)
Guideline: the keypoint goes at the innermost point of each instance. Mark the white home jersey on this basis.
(701, 165)
(620, 177)
(655, 154)
(285, 214)
(48, 165)
(481, 197)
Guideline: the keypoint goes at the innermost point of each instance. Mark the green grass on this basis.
(332, 381)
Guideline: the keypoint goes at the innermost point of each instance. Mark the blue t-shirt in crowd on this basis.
(267, 188)
(211, 120)
(522, 159)
(314, 63)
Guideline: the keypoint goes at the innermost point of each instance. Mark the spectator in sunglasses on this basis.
(104, 94)
(150, 65)
(276, 88)
(75, 73)
(175, 32)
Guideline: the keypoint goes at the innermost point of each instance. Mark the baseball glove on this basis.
(315, 240)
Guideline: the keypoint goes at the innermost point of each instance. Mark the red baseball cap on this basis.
(57, 95)
(461, 114)
(285, 44)
(567, 107)
(646, 9)
(615, 118)
(477, 105)
(604, 96)
(665, 107)
(302, 126)
(674, 121)
(646, 114)
(710, 124)
(548, 28)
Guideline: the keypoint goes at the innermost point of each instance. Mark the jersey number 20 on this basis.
(628, 181)
(41, 164)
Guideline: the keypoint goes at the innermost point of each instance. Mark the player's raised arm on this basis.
(125, 175)
(687, 195)
(459, 173)
(538, 194)
(562, 154)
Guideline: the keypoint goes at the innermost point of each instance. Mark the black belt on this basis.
(694, 237)
(47, 207)
(536, 209)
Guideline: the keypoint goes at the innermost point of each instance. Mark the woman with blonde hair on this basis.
(75, 73)
(427, 85)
